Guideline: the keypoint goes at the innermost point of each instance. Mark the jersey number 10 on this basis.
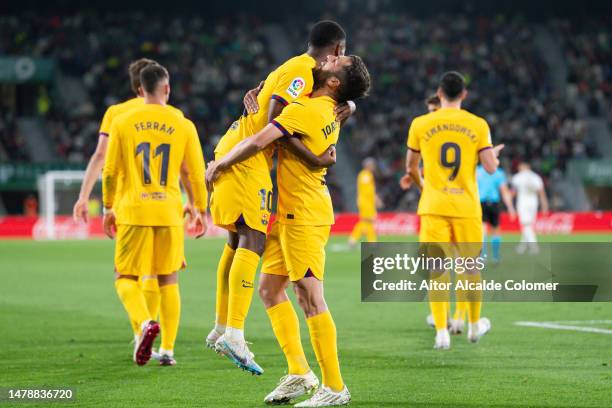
(145, 149)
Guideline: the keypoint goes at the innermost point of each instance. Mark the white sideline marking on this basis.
(551, 325)
(582, 321)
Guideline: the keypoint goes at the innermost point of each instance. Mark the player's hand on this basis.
(405, 182)
(212, 174)
(80, 212)
(328, 157)
(200, 225)
(498, 149)
(250, 99)
(342, 111)
(109, 224)
(189, 212)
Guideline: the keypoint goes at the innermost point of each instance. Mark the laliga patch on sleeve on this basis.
(296, 87)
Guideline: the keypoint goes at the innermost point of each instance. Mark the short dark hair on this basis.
(355, 81)
(432, 100)
(452, 84)
(326, 33)
(134, 70)
(151, 76)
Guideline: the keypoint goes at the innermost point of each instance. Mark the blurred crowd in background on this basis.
(212, 65)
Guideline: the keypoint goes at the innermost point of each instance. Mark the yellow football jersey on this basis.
(147, 145)
(449, 141)
(303, 197)
(115, 110)
(366, 194)
(285, 84)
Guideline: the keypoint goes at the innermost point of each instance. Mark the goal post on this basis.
(58, 191)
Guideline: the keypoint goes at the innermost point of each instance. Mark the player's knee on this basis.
(232, 240)
(252, 240)
(169, 279)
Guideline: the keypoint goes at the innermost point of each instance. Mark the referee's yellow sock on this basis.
(241, 283)
(286, 327)
(324, 342)
(170, 313)
(223, 271)
(133, 301)
(150, 289)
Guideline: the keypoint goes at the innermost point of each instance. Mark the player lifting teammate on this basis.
(241, 198)
(147, 147)
(451, 141)
(305, 215)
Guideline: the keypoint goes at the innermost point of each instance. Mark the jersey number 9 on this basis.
(453, 164)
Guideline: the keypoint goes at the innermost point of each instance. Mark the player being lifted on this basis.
(96, 163)
(451, 141)
(367, 203)
(529, 188)
(147, 147)
(242, 197)
(305, 215)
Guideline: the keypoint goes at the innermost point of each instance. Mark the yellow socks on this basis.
(150, 288)
(474, 303)
(241, 282)
(323, 337)
(170, 312)
(133, 301)
(223, 270)
(370, 231)
(363, 228)
(439, 301)
(460, 310)
(286, 327)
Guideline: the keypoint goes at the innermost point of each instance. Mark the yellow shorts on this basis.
(142, 251)
(467, 232)
(242, 194)
(293, 250)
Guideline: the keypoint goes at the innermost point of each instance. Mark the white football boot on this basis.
(292, 386)
(212, 338)
(238, 352)
(478, 329)
(456, 326)
(325, 397)
(442, 340)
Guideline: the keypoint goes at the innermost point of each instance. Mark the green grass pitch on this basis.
(63, 326)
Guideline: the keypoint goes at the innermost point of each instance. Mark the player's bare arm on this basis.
(189, 209)
(413, 159)
(507, 199)
(344, 111)
(242, 151)
(489, 158)
(94, 168)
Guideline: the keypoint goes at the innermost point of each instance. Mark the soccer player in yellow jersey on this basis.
(451, 141)
(147, 147)
(367, 203)
(96, 163)
(295, 251)
(241, 198)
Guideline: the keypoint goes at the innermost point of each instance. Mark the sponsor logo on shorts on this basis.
(265, 219)
(296, 87)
